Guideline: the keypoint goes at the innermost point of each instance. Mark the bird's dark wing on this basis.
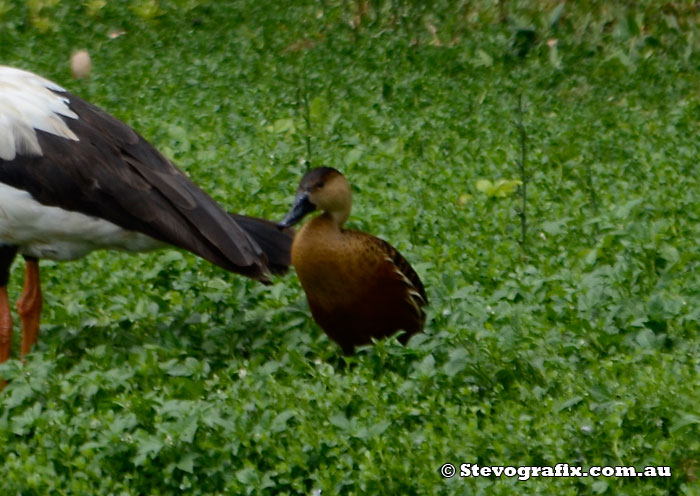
(276, 244)
(111, 172)
(415, 290)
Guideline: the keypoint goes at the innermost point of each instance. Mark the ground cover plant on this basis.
(575, 343)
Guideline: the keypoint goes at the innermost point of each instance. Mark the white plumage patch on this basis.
(28, 103)
(51, 232)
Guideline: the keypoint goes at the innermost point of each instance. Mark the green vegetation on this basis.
(161, 374)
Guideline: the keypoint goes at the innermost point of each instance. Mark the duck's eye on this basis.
(319, 185)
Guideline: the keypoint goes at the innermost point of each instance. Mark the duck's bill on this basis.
(301, 207)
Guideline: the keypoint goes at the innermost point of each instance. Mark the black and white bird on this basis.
(75, 179)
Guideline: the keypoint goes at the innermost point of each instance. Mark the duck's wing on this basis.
(404, 272)
(71, 154)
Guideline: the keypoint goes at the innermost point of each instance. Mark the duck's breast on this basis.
(354, 287)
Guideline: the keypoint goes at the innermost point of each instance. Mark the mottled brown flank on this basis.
(358, 286)
(114, 174)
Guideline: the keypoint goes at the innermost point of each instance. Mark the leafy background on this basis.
(161, 374)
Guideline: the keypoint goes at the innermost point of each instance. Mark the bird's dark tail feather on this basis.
(275, 243)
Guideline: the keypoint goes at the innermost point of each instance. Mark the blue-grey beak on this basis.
(300, 208)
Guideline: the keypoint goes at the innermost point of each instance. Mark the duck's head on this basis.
(324, 189)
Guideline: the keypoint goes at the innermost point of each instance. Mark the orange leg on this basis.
(29, 305)
(5, 326)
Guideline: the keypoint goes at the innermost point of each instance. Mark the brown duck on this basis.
(358, 286)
